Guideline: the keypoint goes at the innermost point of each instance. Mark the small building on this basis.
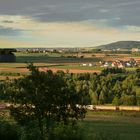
(7, 55)
(90, 65)
(84, 64)
(135, 50)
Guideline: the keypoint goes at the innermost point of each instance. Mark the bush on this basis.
(30, 134)
(115, 70)
(67, 132)
(57, 132)
(116, 101)
(9, 131)
(128, 100)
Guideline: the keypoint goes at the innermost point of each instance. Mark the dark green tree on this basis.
(45, 98)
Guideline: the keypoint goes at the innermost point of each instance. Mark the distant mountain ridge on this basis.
(121, 45)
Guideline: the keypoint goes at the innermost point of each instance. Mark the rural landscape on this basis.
(69, 70)
(110, 94)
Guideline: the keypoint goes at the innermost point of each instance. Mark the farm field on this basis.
(71, 58)
(110, 130)
(125, 125)
(51, 58)
(21, 68)
(56, 62)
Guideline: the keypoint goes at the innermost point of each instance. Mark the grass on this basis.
(76, 67)
(39, 57)
(125, 131)
(124, 125)
(52, 60)
(20, 65)
(48, 65)
(135, 114)
(116, 127)
(131, 69)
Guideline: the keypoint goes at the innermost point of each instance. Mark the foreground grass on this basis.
(104, 125)
(109, 129)
(112, 125)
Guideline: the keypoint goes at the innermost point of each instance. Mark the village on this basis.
(117, 63)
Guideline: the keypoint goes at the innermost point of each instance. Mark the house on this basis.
(120, 65)
(84, 64)
(90, 65)
(128, 64)
(135, 50)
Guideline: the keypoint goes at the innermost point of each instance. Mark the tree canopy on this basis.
(46, 98)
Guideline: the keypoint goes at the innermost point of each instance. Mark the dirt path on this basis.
(25, 70)
(70, 70)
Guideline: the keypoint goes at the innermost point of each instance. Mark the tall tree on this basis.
(45, 97)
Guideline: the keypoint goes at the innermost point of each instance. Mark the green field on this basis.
(106, 125)
(120, 125)
(79, 67)
(21, 65)
(52, 58)
(109, 129)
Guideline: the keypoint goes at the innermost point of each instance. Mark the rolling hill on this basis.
(121, 44)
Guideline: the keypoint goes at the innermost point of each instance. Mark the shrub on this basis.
(9, 131)
(67, 132)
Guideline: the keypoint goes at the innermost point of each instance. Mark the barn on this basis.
(7, 55)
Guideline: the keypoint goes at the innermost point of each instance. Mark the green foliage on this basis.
(121, 44)
(90, 88)
(116, 101)
(9, 74)
(46, 98)
(42, 99)
(9, 131)
(31, 132)
(96, 50)
(128, 100)
(94, 97)
(4, 90)
(69, 132)
(114, 70)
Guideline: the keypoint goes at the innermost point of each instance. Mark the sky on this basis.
(68, 23)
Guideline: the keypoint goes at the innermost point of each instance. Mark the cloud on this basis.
(9, 32)
(91, 32)
(8, 43)
(74, 10)
(104, 10)
(128, 3)
(132, 28)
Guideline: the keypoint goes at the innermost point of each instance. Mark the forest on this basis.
(112, 86)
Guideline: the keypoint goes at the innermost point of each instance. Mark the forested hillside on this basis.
(121, 44)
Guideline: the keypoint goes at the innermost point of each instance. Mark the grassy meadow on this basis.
(104, 125)
(110, 130)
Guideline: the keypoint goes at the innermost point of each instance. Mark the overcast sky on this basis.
(68, 23)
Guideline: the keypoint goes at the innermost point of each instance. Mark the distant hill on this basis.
(121, 44)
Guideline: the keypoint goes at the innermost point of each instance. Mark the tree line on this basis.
(112, 86)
